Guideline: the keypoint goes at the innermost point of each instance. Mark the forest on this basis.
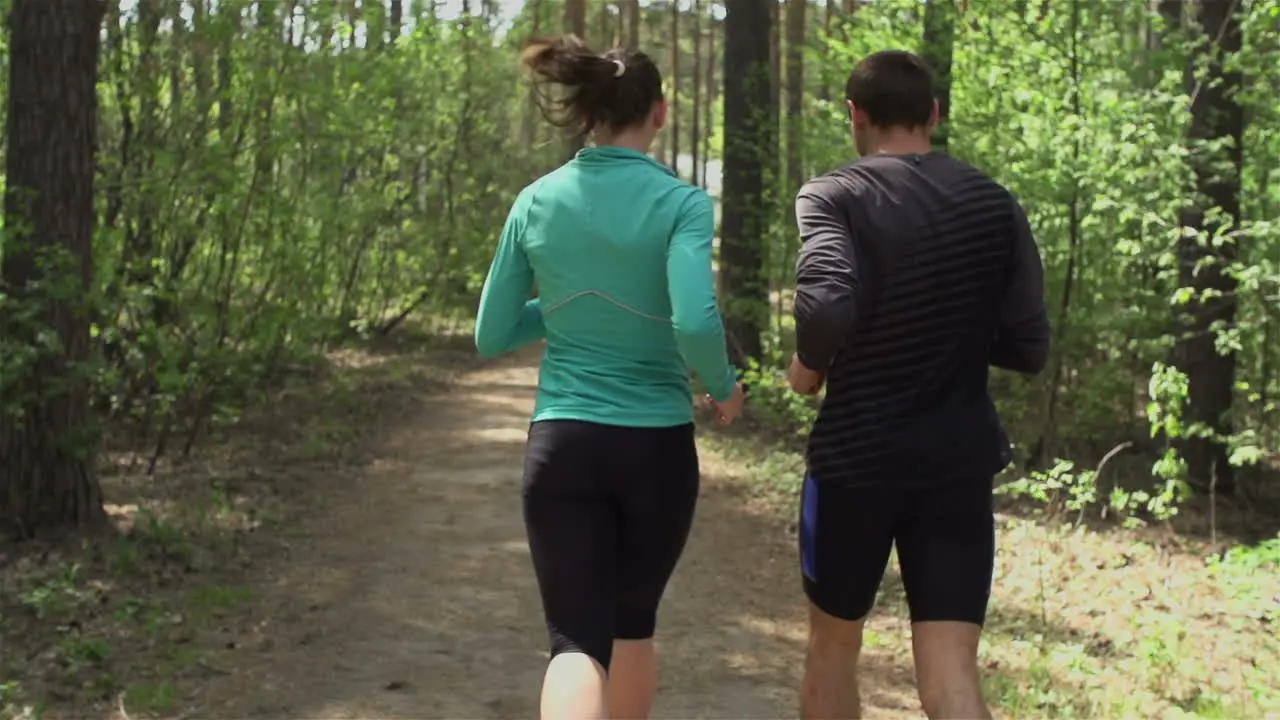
(244, 240)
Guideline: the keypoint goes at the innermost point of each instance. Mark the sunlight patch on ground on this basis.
(516, 402)
(788, 631)
(494, 434)
(355, 358)
(515, 546)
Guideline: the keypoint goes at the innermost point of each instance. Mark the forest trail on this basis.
(413, 597)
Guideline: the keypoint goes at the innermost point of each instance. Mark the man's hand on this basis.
(728, 410)
(802, 379)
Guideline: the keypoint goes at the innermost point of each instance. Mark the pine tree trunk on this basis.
(575, 22)
(695, 139)
(795, 93)
(529, 124)
(633, 24)
(711, 97)
(675, 86)
(750, 155)
(939, 47)
(47, 442)
(1216, 115)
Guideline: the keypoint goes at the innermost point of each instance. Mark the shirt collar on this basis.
(614, 153)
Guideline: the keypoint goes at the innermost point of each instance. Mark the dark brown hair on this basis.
(894, 88)
(615, 90)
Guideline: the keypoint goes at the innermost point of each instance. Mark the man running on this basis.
(917, 272)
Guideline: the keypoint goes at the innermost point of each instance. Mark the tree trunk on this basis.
(939, 47)
(750, 150)
(355, 18)
(1046, 447)
(575, 22)
(201, 75)
(49, 477)
(396, 20)
(1216, 115)
(226, 104)
(795, 94)
(828, 16)
(529, 126)
(575, 17)
(603, 33)
(177, 59)
(264, 155)
(633, 25)
(775, 53)
(711, 97)
(675, 87)
(695, 139)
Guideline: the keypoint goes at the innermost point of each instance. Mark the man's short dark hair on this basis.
(894, 88)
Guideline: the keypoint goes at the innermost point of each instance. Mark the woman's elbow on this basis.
(488, 344)
(702, 325)
(489, 352)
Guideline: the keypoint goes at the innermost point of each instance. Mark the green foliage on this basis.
(773, 400)
(1062, 487)
(1241, 570)
(28, 339)
(1081, 112)
(159, 698)
(273, 184)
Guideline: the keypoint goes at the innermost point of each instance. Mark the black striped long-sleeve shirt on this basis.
(917, 272)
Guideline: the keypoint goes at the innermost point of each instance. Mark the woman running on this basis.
(620, 250)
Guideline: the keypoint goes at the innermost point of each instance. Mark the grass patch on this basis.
(130, 621)
(213, 600)
(152, 698)
(1090, 622)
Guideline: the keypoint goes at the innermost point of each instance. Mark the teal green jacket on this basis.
(620, 250)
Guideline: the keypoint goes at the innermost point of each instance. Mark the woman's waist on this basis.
(594, 373)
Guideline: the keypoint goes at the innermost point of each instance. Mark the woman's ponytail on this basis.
(614, 90)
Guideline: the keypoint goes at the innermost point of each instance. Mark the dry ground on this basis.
(361, 555)
(419, 600)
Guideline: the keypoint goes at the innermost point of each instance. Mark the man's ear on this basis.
(935, 116)
(857, 117)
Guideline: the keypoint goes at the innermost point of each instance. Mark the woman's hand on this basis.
(728, 410)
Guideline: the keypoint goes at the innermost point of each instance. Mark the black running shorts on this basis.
(945, 536)
(607, 510)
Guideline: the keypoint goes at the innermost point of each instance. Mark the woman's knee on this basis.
(596, 645)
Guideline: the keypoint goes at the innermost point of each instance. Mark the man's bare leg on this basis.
(946, 659)
(830, 690)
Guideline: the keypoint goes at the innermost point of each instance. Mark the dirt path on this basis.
(414, 598)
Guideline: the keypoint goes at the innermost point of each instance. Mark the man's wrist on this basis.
(804, 362)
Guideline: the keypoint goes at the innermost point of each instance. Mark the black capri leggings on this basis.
(607, 510)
